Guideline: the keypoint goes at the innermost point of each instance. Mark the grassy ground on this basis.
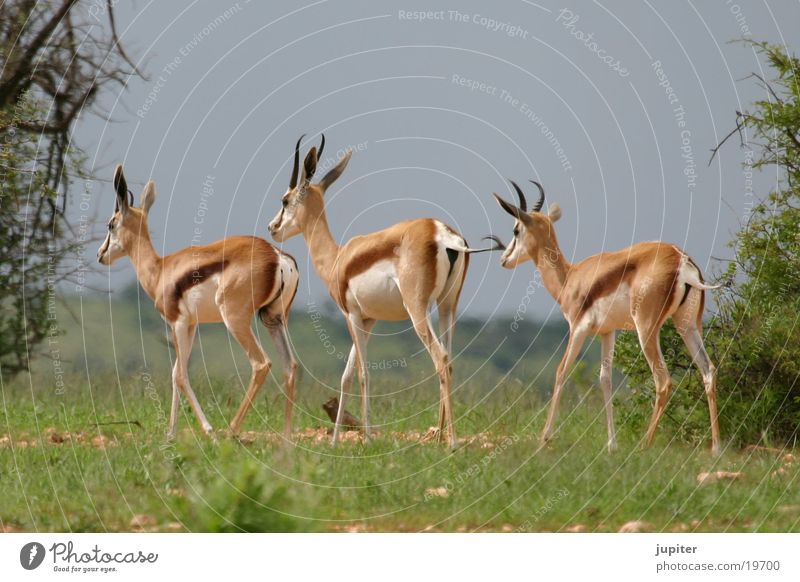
(60, 472)
(82, 444)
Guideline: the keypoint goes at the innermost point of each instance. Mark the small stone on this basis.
(711, 477)
(634, 527)
(577, 528)
(142, 521)
(437, 492)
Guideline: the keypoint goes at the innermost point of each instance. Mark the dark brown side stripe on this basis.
(189, 280)
(606, 283)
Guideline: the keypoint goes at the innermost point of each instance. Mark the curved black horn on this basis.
(296, 170)
(540, 202)
(321, 147)
(499, 244)
(523, 204)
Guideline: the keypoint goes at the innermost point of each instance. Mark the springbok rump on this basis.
(393, 274)
(636, 288)
(227, 281)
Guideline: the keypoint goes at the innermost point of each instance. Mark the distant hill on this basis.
(124, 334)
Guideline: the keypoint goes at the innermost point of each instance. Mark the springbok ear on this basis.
(336, 171)
(121, 187)
(514, 211)
(310, 164)
(148, 196)
(554, 212)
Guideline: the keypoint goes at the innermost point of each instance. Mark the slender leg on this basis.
(446, 324)
(173, 413)
(280, 337)
(240, 329)
(651, 346)
(694, 343)
(347, 379)
(574, 346)
(359, 333)
(183, 334)
(176, 393)
(420, 317)
(344, 391)
(606, 384)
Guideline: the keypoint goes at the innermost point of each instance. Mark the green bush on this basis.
(754, 338)
(246, 496)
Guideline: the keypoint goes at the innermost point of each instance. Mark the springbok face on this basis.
(126, 223)
(531, 229)
(303, 196)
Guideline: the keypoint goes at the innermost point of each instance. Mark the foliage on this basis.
(55, 59)
(243, 497)
(754, 337)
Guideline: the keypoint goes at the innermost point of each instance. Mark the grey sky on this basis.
(440, 112)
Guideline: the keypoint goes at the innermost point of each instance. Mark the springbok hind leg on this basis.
(651, 346)
(240, 329)
(446, 324)
(420, 317)
(280, 337)
(693, 339)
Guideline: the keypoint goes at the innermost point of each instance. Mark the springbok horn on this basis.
(540, 203)
(321, 147)
(523, 204)
(500, 246)
(296, 169)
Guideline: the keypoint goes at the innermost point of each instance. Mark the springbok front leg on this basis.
(347, 379)
(358, 328)
(574, 345)
(183, 336)
(240, 329)
(607, 361)
(176, 391)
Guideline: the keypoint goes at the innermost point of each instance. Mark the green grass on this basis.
(392, 483)
(116, 368)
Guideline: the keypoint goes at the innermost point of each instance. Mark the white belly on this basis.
(199, 302)
(611, 312)
(376, 293)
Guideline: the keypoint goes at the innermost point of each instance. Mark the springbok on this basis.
(227, 281)
(392, 275)
(636, 288)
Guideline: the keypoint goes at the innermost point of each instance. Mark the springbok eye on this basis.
(110, 225)
(516, 232)
(285, 202)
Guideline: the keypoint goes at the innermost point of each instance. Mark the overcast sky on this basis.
(612, 106)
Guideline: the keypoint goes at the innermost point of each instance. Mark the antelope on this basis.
(636, 288)
(227, 281)
(393, 274)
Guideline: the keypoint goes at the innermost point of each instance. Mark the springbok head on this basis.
(304, 200)
(532, 229)
(127, 224)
